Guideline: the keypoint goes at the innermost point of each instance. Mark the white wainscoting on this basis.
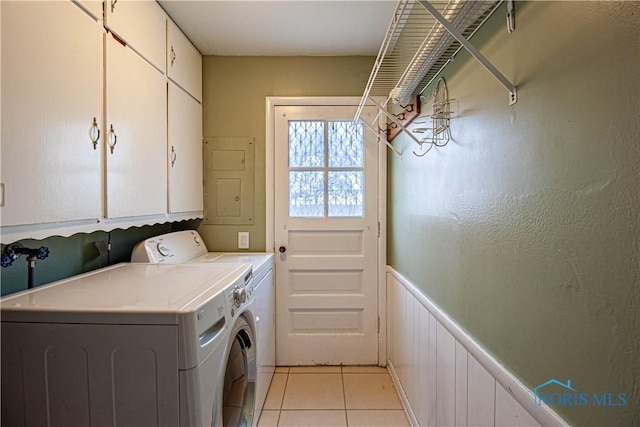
(443, 376)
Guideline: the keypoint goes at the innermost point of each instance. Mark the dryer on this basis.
(131, 344)
(188, 247)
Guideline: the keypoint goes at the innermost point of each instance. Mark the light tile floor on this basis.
(305, 396)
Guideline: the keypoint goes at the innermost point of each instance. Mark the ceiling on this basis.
(283, 28)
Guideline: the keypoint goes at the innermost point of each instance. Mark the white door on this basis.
(184, 62)
(94, 7)
(326, 223)
(135, 134)
(185, 152)
(51, 112)
(142, 25)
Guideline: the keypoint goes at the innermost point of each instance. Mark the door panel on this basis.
(185, 152)
(137, 128)
(326, 222)
(184, 62)
(51, 98)
(142, 25)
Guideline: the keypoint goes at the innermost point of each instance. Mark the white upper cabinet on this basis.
(93, 7)
(185, 152)
(135, 134)
(141, 24)
(51, 94)
(91, 136)
(184, 62)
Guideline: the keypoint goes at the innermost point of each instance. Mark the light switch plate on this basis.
(243, 240)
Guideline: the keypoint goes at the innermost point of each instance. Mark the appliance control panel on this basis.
(171, 248)
(163, 249)
(242, 292)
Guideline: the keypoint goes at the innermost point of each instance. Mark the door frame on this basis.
(275, 101)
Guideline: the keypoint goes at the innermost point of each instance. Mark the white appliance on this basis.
(131, 345)
(188, 247)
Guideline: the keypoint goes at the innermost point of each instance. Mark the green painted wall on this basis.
(526, 227)
(234, 92)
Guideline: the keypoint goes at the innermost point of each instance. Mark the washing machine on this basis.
(188, 247)
(132, 345)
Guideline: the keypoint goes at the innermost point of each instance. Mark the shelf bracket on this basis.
(409, 113)
(397, 122)
(377, 132)
(472, 50)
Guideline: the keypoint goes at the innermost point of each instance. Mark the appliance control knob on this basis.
(162, 249)
(239, 296)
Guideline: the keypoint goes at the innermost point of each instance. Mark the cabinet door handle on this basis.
(113, 5)
(94, 133)
(173, 55)
(112, 139)
(174, 156)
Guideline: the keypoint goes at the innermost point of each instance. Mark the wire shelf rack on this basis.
(422, 38)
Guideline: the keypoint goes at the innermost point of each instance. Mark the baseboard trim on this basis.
(406, 405)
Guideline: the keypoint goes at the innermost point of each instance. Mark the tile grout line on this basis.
(344, 397)
(284, 391)
(345, 413)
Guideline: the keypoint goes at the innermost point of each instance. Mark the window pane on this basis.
(306, 193)
(345, 144)
(306, 143)
(345, 193)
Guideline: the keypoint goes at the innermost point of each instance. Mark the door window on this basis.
(326, 168)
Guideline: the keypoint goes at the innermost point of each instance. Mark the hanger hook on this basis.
(422, 154)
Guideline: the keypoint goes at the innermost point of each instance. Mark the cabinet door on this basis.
(51, 93)
(185, 152)
(93, 7)
(184, 62)
(136, 129)
(142, 25)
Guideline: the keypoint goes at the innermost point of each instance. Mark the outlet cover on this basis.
(243, 240)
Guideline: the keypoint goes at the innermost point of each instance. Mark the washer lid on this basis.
(129, 288)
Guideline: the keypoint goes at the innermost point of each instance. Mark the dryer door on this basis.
(240, 377)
